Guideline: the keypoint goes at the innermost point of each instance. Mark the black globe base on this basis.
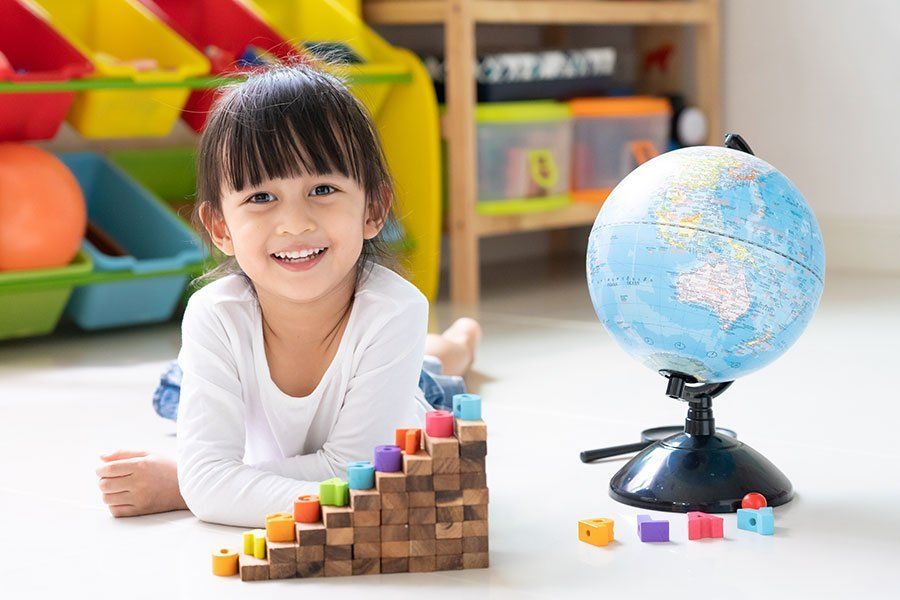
(708, 473)
(698, 469)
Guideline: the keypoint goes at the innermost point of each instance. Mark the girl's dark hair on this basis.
(285, 121)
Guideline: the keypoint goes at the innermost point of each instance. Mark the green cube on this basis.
(334, 492)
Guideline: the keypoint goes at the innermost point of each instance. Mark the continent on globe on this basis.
(720, 287)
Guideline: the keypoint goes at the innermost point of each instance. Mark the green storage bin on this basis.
(32, 302)
(168, 173)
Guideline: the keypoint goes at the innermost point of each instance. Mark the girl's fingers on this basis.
(117, 499)
(119, 468)
(114, 485)
(123, 510)
(120, 454)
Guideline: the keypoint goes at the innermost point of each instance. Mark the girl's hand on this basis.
(138, 483)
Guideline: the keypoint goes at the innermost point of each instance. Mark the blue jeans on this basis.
(438, 388)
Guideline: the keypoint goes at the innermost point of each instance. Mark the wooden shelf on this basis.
(573, 215)
(579, 12)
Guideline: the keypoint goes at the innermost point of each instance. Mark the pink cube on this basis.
(702, 525)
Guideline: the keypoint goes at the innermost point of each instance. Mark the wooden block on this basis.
(394, 533)
(390, 482)
(422, 516)
(310, 554)
(286, 570)
(446, 465)
(449, 514)
(253, 569)
(394, 500)
(422, 564)
(420, 483)
(421, 547)
(365, 500)
(366, 518)
(449, 498)
(475, 512)
(397, 516)
(421, 499)
(450, 546)
(338, 568)
(441, 447)
(366, 566)
(476, 496)
(443, 483)
(475, 560)
(367, 534)
(448, 562)
(469, 481)
(398, 549)
(475, 529)
(336, 517)
(282, 552)
(443, 531)
(367, 550)
(311, 534)
(470, 431)
(394, 565)
(339, 537)
(417, 464)
(473, 450)
(311, 569)
(421, 532)
(338, 553)
(472, 465)
(474, 544)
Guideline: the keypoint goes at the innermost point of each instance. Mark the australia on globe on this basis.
(705, 261)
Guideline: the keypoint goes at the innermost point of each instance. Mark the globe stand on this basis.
(698, 469)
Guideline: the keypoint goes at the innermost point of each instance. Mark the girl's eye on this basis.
(323, 190)
(261, 198)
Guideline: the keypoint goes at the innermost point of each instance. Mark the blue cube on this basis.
(467, 407)
(762, 521)
(361, 475)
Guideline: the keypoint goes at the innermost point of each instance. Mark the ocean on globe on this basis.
(705, 261)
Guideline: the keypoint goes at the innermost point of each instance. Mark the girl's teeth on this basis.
(299, 255)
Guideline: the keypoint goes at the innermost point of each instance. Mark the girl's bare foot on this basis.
(137, 483)
(456, 346)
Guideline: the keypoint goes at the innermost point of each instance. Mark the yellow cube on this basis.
(598, 532)
(280, 527)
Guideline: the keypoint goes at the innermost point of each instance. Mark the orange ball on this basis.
(43, 215)
(753, 500)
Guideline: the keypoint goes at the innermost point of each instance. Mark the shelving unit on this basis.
(459, 19)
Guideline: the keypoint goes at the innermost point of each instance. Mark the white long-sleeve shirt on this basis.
(245, 448)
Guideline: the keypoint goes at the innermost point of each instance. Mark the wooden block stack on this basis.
(431, 515)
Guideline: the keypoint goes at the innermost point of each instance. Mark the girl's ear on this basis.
(217, 229)
(377, 213)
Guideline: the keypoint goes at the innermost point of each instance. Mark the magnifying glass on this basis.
(648, 436)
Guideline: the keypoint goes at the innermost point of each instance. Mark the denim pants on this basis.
(438, 388)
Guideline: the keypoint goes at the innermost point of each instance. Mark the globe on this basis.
(705, 261)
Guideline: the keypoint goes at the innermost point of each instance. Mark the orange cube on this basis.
(409, 440)
(597, 532)
(280, 527)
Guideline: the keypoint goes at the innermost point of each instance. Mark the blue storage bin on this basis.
(156, 239)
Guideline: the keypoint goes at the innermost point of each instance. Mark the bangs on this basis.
(284, 123)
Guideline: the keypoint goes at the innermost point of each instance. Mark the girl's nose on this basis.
(295, 219)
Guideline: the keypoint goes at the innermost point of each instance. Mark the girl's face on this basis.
(298, 238)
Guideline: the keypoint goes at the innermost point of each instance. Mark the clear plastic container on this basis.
(612, 136)
(523, 156)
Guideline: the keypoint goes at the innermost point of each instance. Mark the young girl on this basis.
(303, 353)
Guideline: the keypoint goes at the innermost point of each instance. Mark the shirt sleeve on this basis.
(216, 484)
(382, 395)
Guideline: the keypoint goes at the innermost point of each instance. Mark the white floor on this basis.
(553, 384)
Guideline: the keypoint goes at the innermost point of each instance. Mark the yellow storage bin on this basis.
(119, 35)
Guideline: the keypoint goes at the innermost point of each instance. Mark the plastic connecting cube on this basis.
(280, 527)
(467, 407)
(307, 509)
(652, 531)
(361, 475)
(388, 459)
(439, 423)
(597, 532)
(334, 492)
(409, 440)
(702, 525)
(761, 520)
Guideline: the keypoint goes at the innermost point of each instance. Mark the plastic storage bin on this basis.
(611, 137)
(157, 242)
(31, 302)
(34, 52)
(168, 173)
(118, 35)
(223, 30)
(523, 156)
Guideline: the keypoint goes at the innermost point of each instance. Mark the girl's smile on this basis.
(301, 259)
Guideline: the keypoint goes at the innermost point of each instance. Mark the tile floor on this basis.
(553, 384)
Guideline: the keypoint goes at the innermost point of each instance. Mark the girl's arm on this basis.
(380, 398)
(216, 484)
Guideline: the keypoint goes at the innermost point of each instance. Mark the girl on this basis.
(303, 353)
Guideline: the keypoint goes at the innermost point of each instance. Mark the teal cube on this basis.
(467, 407)
(762, 521)
(361, 475)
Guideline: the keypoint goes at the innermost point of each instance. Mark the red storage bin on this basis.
(34, 52)
(226, 25)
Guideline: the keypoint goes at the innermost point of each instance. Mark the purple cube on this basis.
(652, 531)
(388, 459)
